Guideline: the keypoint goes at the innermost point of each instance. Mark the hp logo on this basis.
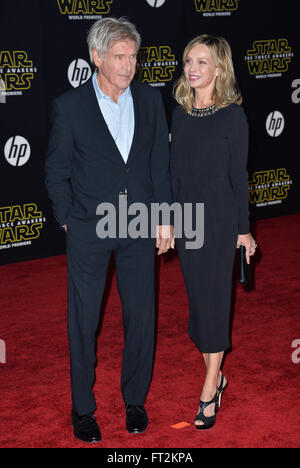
(79, 72)
(275, 124)
(156, 3)
(17, 151)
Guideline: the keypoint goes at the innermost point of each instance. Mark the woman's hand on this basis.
(250, 244)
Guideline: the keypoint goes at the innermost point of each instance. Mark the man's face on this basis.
(117, 68)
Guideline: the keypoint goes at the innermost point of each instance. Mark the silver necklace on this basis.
(194, 112)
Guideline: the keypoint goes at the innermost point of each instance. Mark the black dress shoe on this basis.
(136, 419)
(86, 428)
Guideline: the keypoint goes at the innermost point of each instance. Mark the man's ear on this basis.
(96, 58)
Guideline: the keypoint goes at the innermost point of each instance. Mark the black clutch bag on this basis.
(244, 267)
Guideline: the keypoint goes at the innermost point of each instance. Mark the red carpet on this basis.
(260, 408)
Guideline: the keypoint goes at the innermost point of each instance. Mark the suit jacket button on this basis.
(127, 169)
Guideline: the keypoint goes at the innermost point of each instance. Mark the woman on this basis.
(208, 164)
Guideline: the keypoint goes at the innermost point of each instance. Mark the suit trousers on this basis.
(87, 271)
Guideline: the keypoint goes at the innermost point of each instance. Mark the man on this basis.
(109, 139)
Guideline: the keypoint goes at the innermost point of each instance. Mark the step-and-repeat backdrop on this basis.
(43, 53)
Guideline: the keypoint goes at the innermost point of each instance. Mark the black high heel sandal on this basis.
(208, 421)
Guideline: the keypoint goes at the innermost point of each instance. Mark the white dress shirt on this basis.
(119, 117)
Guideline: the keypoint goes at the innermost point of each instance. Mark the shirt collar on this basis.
(100, 94)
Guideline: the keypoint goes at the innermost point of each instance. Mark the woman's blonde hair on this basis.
(226, 91)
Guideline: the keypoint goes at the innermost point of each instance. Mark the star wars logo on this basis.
(19, 225)
(269, 58)
(156, 65)
(269, 187)
(84, 9)
(216, 7)
(16, 72)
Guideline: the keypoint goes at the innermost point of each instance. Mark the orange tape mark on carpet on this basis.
(180, 425)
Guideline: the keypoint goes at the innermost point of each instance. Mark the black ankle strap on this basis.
(205, 404)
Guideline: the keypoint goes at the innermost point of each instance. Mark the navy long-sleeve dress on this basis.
(209, 165)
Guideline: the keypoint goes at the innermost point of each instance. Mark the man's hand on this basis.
(65, 227)
(164, 238)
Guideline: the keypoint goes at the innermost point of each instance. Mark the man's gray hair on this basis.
(107, 31)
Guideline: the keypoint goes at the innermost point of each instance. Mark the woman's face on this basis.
(200, 69)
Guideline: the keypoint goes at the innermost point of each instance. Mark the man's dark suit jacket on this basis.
(84, 166)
